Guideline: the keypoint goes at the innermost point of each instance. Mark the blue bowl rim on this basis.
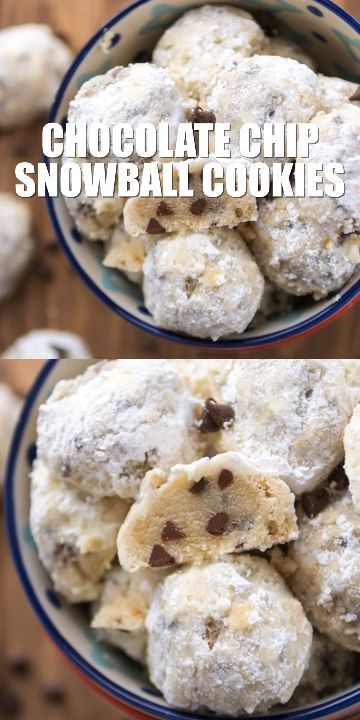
(321, 710)
(257, 341)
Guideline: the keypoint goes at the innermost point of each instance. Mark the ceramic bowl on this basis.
(328, 33)
(113, 674)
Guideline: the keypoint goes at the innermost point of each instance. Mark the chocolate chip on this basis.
(198, 487)
(315, 501)
(225, 479)
(213, 629)
(202, 116)
(356, 94)
(190, 286)
(215, 416)
(160, 558)
(19, 665)
(10, 704)
(154, 227)
(54, 693)
(198, 206)
(171, 532)
(164, 209)
(216, 525)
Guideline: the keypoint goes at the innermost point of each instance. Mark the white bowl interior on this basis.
(68, 624)
(319, 30)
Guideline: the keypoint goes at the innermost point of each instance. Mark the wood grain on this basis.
(52, 295)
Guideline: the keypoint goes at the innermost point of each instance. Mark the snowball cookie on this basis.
(299, 252)
(335, 91)
(135, 94)
(290, 416)
(352, 456)
(155, 216)
(263, 89)
(284, 47)
(10, 406)
(127, 253)
(75, 534)
(227, 637)
(195, 49)
(203, 511)
(205, 284)
(95, 218)
(16, 245)
(331, 669)
(33, 62)
(323, 571)
(47, 344)
(103, 430)
(120, 613)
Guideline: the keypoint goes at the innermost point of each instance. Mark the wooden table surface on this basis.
(54, 296)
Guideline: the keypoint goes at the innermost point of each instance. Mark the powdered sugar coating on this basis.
(352, 455)
(325, 571)
(16, 244)
(10, 406)
(198, 375)
(280, 407)
(105, 428)
(196, 47)
(46, 343)
(134, 94)
(32, 63)
(74, 534)
(227, 637)
(335, 91)
(283, 47)
(204, 284)
(120, 613)
(253, 91)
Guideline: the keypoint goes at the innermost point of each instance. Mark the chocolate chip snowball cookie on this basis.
(279, 408)
(203, 511)
(196, 47)
(156, 216)
(227, 637)
(75, 534)
(10, 406)
(322, 567)
(16, 244)
(253, 91)
(331, 669)
(46, 343)
(352, 456)
(120, 613)
(103, 430)
(204, 284)
(135, 94)
(33, 62)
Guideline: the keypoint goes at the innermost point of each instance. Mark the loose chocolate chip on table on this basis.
(19, 665)
(160, 558)
(315, 501)
(171, 532)
(225, 479)
(215, 416)
(198, 206)
(164, 209)
(216, 525)
(54, 693)
(198, 487)
(356, 95)
(202, 116)
(154, 227)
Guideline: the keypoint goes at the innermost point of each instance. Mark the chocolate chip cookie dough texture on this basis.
(241, 639)
(280, 406)
(33, 62)
(219, 628)
(16, 244)
(104, 429)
